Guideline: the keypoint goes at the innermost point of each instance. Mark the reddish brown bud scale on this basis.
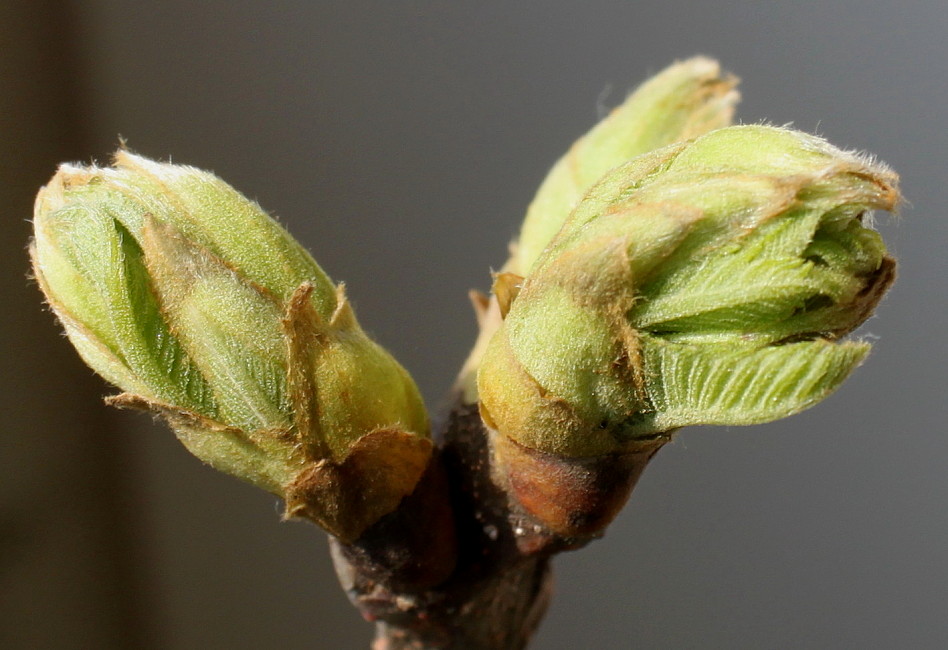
(386, 465)
(572, 499)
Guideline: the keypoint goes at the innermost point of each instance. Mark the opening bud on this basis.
(707, 282)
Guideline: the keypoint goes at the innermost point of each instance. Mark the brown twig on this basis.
(463, 529)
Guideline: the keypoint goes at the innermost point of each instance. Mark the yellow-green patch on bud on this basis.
(705, 283)
(342, 381)
(196, 303)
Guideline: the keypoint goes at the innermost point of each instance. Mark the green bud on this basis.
(703, 283)
(191, 299)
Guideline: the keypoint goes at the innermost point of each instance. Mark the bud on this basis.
(683, 101)
(704, 283)
(197, 304)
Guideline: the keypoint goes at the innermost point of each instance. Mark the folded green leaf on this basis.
(230, 328)
(731, 384)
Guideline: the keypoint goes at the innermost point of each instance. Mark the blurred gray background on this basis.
(401, 142)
